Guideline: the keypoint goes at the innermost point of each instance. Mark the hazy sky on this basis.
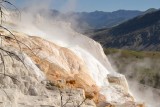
(92, 5)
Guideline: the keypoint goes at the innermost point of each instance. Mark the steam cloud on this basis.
(143, 93)
(39, 21)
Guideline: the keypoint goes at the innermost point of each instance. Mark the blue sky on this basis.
(92, 5)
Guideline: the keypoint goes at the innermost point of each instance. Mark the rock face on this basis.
(70, 68)
(59, 64)
(23, 84)
(66, 70)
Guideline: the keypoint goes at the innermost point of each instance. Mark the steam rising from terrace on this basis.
(35, 22)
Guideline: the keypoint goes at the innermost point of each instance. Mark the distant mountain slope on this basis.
(150, 10)
(100, 19)
(140, 33)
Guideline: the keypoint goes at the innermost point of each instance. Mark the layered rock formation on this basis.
(23, 84)
(64, 68)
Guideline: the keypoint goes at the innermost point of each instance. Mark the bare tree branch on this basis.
(67, 100)
(5, 1)
(11, 53)
(81, 102)
(61, 96)
(12, 35)
(10, 77)
(4, 67)
(19, 43)
(5, 93)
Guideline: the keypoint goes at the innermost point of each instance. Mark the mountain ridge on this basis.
(140, 33)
